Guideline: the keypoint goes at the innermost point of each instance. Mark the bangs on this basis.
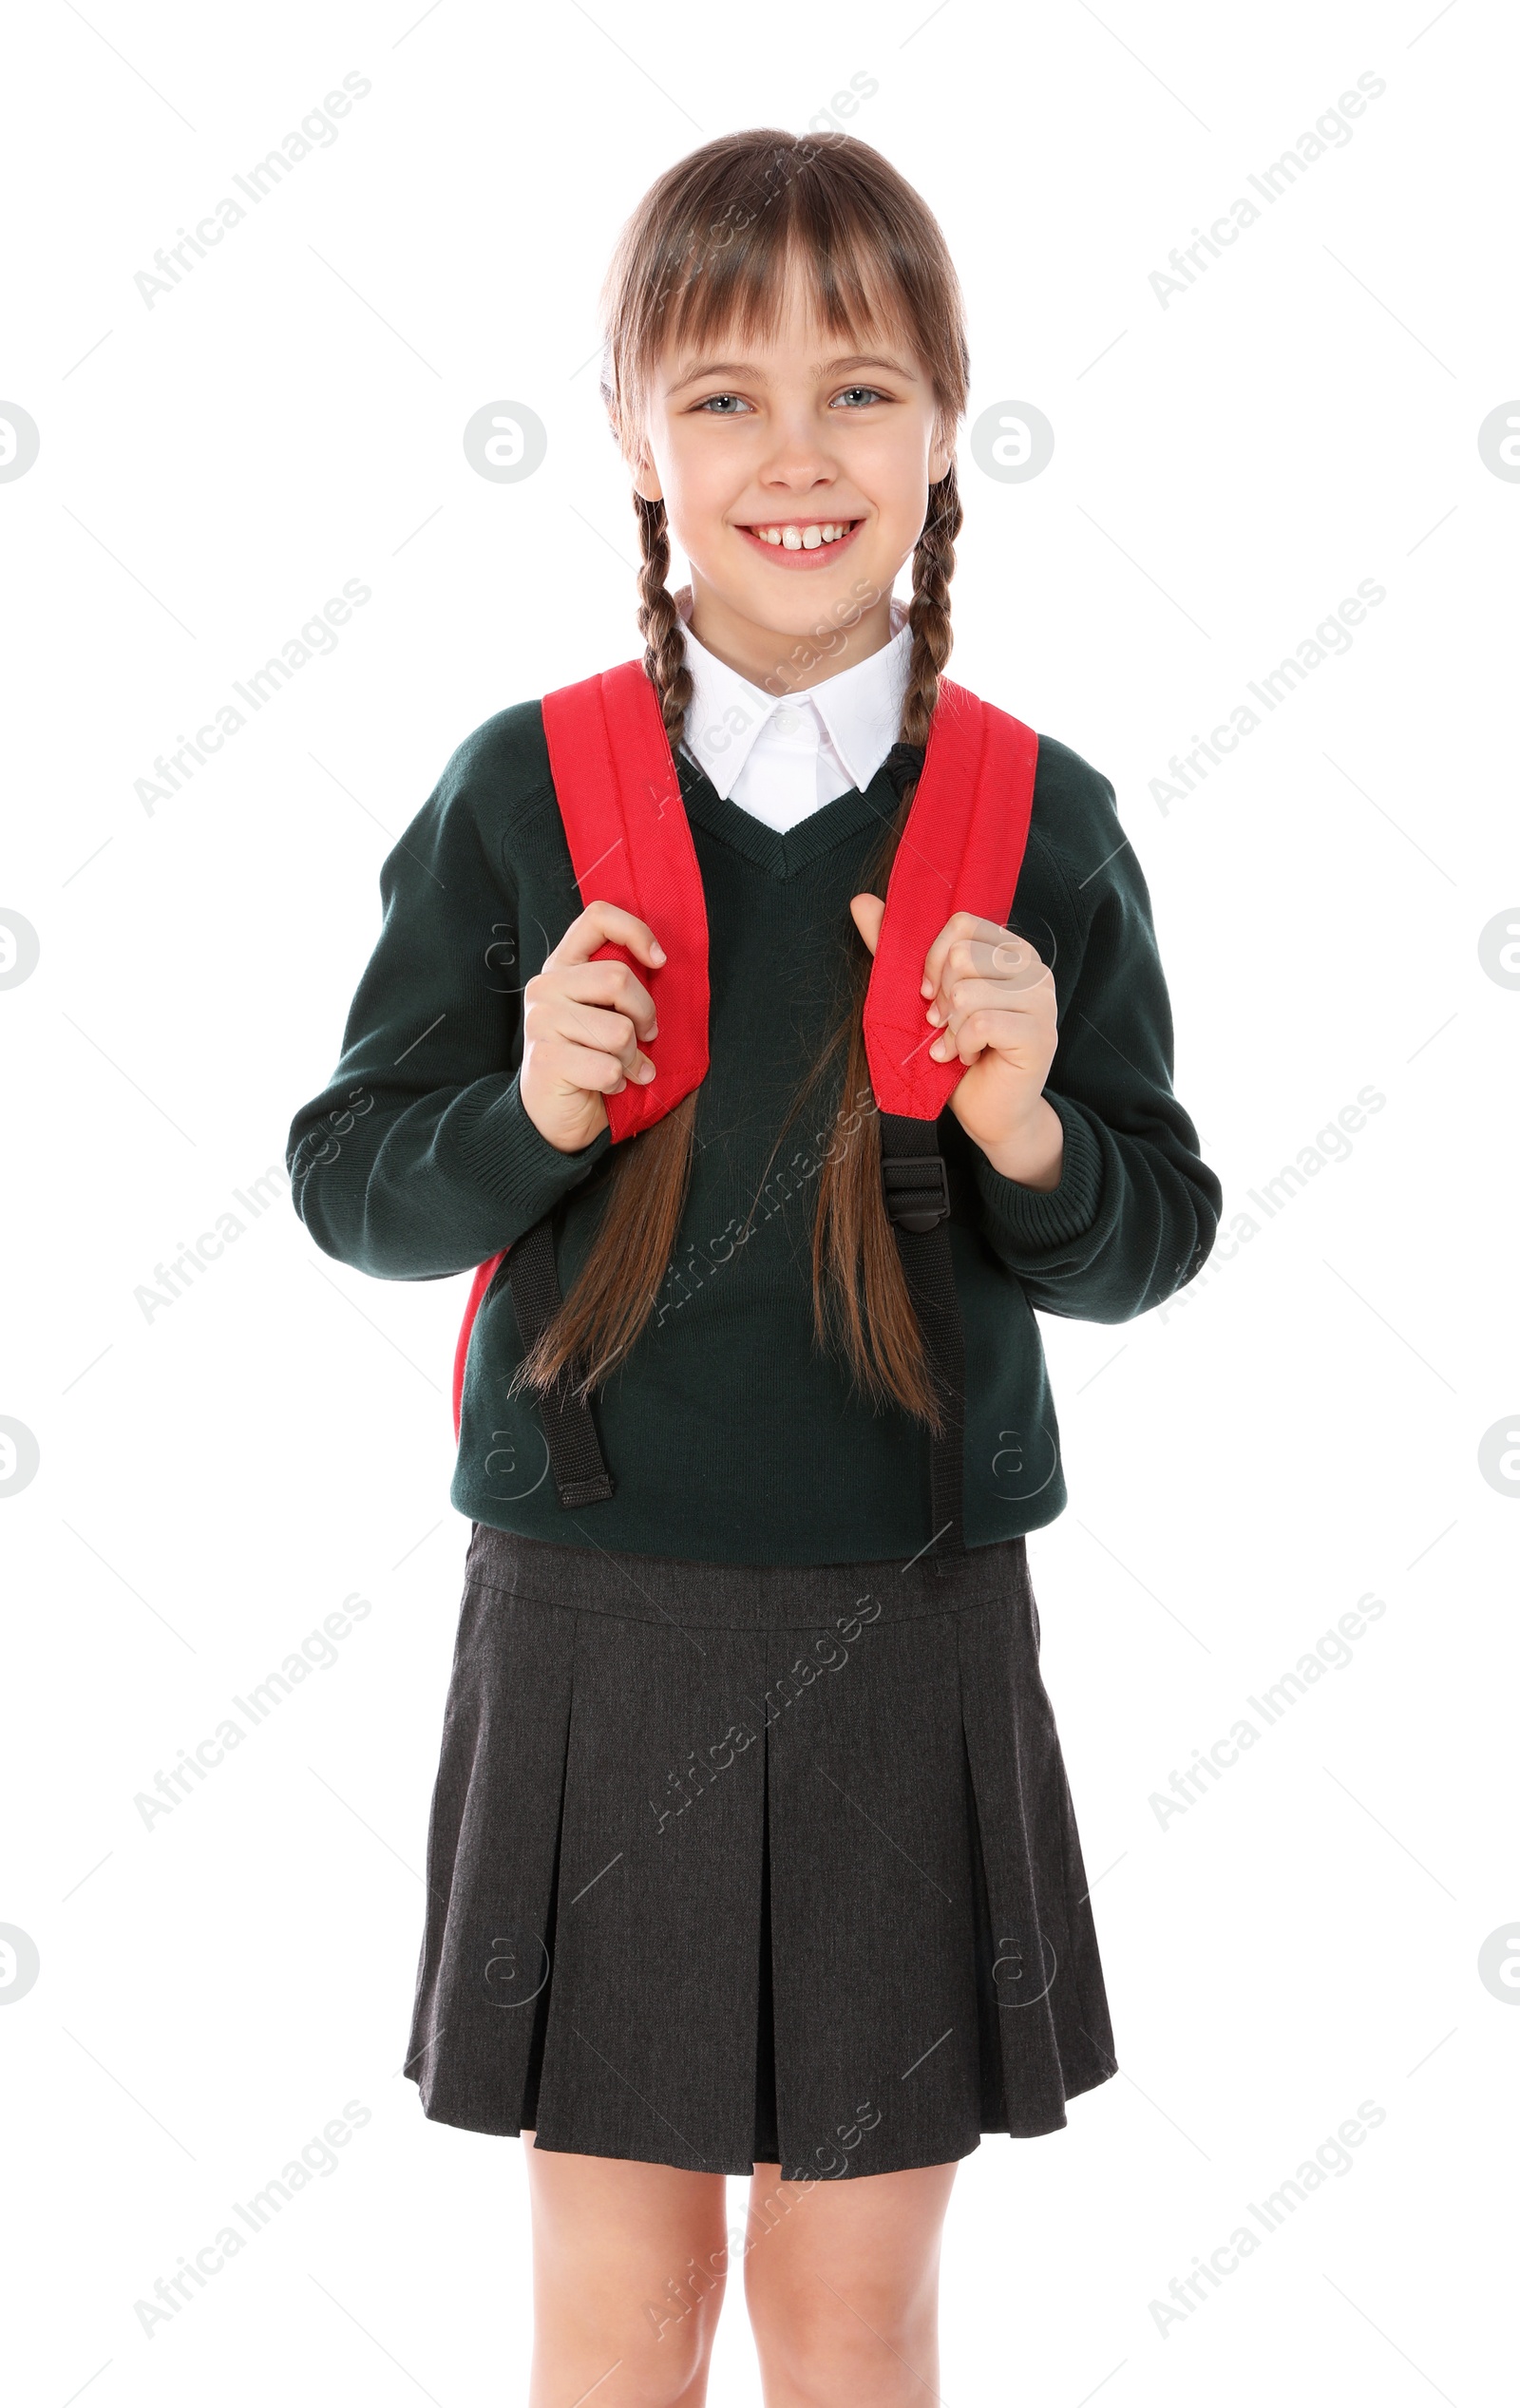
(742, 286)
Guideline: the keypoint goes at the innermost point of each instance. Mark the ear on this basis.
(868, 912)
(941, 455)
(646, 483)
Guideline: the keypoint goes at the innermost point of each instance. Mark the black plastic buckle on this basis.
(918, 1190)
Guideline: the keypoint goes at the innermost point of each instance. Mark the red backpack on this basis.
(629, 843)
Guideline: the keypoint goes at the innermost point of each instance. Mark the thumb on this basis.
(868, 911)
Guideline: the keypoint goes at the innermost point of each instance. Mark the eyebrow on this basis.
(825, 368)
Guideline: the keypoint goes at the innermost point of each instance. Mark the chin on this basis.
(831, 595)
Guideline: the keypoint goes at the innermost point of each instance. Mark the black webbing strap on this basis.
(918, 1201)
(576, 1463)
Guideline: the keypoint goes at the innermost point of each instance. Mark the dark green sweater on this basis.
(731, 1437)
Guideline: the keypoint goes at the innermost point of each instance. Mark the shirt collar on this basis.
(860, 708)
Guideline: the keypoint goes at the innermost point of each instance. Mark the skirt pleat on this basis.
(1044, 1990)
(493, 1851)
(736, 1864)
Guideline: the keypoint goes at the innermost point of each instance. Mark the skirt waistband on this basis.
(664, 1588)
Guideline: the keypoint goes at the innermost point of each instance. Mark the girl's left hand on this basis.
(993, 1001)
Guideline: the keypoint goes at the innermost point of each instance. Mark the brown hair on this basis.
(710, 248)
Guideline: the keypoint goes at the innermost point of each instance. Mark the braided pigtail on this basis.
(618, 1283)
(659, 621)
(859, 1291)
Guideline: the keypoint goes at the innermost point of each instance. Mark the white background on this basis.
(1303, 1429)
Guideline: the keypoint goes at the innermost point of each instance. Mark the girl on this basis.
(752, 1850)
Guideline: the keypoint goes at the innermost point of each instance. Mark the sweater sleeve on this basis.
(417, 1160)
(1135, 1212)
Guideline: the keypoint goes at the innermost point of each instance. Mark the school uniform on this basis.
(752, 1840)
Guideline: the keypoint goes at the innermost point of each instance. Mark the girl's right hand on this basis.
(582, 1025)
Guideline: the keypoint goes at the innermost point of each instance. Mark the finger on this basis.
(984, 1031)
(606, 923)
(610, 984)
(960, 924)
(557, 1016)
(868, 912)
(993, 995)
(1011, 959)
(580, 1069)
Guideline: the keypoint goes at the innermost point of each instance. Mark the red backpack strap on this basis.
(961, 850)
(629, 843)
(472, 1304)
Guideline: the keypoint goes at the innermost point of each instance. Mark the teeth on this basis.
(803, 539)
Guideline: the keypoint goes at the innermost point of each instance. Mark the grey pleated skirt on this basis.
(739, 1865)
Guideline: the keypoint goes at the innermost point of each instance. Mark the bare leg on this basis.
(842, 2282)
(619, 2310)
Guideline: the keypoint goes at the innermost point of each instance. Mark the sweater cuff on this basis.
(504, 1152)
(1031, 1220)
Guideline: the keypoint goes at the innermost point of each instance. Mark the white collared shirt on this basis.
(782, 757)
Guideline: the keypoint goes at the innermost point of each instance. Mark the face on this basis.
(795, 477)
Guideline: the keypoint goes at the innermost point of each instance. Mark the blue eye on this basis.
(872, 391)
(720, 397)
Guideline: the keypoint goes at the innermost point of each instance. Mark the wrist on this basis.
(566, 1132)
(571, 1141)
(1033, 1153)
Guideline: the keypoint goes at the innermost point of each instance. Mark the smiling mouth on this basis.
(801, 535)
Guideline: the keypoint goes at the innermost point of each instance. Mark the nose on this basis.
(798, 458)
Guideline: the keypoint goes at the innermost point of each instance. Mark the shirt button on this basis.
(786, 723)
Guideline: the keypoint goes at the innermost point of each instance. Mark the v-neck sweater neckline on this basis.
(782, 855)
